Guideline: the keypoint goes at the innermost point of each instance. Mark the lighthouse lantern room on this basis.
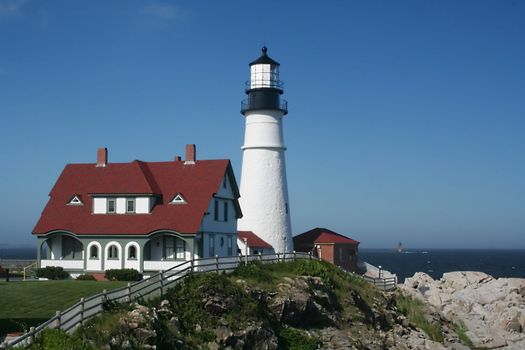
(264, 191)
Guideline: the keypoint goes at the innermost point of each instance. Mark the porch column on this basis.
(191, 247)
(39, 243)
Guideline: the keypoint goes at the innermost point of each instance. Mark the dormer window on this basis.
(178, 199)
(130, 205)
(112, 205)
(75, 200)
(122, 205)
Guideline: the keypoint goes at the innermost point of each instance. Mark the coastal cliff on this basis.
(490, 311)
(294, 305)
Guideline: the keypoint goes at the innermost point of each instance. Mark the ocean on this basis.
(434, 262)
(498, 263)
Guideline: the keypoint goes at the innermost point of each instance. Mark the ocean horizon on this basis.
(434, 262)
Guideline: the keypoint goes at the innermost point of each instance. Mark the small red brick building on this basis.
(329, 246)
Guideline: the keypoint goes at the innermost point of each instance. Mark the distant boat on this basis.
(400, 247)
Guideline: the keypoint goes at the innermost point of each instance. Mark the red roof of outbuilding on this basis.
(322, 235)
(197, 183)
(253, 239)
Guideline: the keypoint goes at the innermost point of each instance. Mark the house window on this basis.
(181, 249)
(230, 246)
(111, 205)
(93, 252)
(132, 252)
(168, 246)
(130, 205)
(113, 252)
(212, 246)
(225, 211)
(216, 210)
(224, 181)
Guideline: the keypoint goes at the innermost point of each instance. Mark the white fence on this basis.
(69, 319)
(155, 285)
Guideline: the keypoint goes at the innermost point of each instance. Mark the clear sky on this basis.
(406, 118)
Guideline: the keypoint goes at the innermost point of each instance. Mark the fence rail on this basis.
(387, 283)
(155, 285)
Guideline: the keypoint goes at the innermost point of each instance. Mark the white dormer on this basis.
(122, 205)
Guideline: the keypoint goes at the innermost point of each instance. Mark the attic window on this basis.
(178, 199)
(75, 201)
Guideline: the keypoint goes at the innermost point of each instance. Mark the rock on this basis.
(302, 302)
(492, 310)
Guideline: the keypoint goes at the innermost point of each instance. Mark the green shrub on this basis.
(58, 340)
(295, 339)
(86, 278)
(52, 273)
(123, 275)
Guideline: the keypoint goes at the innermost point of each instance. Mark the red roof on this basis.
(253, 239)
(197, 183)
(322, 235)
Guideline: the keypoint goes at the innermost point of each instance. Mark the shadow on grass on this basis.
(19, 324)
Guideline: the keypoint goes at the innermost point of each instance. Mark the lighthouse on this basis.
(264, 190)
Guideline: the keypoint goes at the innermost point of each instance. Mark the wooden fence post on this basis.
(294, 256)
(217, 263)
(260, 256)
(161, 280)
(31, 339)
(278, 257)
(104, 296)
(310, 255)
(129, 292)
(81, 311)
(58, 321)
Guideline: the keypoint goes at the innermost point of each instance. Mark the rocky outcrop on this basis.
(302, 302)
(492, 310)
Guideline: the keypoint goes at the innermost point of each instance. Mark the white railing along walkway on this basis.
(155, 285)
(69, 319)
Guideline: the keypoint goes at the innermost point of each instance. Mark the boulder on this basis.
(492, 310)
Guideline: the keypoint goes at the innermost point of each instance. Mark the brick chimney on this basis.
(102, 157)
(177, 159)
(191, 153)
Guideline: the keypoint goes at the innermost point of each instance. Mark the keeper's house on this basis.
(148, 216)
(329, 246)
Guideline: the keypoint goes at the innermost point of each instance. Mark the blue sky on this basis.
(406, 118)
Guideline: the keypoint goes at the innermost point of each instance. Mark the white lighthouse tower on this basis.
(264, 191)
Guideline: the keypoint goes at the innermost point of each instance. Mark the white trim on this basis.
(75, 201)
(137, 250)
(106, 250)
(178, 199)
(99, 246)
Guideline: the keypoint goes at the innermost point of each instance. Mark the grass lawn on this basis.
(24, 304)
